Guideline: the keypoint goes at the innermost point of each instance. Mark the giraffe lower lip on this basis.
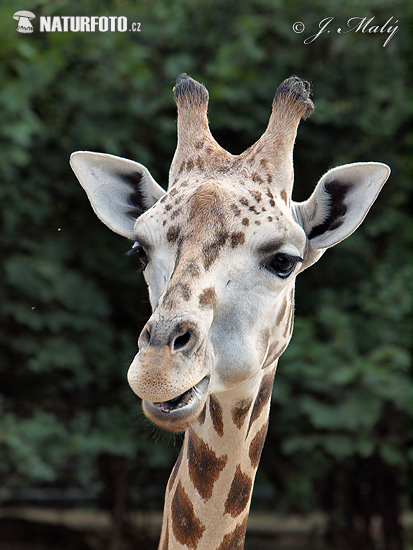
(184, 399)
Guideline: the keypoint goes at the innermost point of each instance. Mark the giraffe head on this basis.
(221, 248)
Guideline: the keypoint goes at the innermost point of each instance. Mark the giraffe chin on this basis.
(176, 414)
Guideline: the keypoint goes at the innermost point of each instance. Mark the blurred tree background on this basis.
(72, 305)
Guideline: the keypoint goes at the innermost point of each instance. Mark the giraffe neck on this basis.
(209, 491)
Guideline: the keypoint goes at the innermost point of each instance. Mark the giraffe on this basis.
(221, 249)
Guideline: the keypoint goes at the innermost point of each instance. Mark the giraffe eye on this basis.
(138, 251)
(282, 264)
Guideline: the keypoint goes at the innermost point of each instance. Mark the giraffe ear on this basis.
(119, 190)
(339, 203)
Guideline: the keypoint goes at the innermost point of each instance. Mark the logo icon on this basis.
(23, 17)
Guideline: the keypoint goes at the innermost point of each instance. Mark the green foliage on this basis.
(71, 306)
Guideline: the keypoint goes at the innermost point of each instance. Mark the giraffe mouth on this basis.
(176, 414)
(185, 399)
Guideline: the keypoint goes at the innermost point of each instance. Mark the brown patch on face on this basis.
(168, 207)
(263, 397)
(281, 313)
(173, 192)
(211, 251)
(174, 291)
(245, 221)
(215, 410)
(253, 209)
(269, 218)
(173, 233)
(269, 178)
(237, 238)
(199, 144)
(187, 528)
(208, 298)
(290, 324)
(204, 466)
(240, 411)
(189, 165)
(257, 445)
(181, 167)
(235, 209)
(192, 269)
(284, 196)
(186, 292)
(235, 539)
(257, 178)
(204, 200)
(199, 162)
(244, 201)
(176, 213)
(174, 472)
(239, 494)
(257, 222)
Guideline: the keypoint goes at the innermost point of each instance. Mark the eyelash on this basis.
(139, 251)
(282, 264)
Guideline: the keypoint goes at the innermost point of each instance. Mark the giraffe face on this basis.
(222, 248)
(220, 270)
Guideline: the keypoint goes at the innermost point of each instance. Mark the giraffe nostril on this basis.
(145, 337)
(181, 341)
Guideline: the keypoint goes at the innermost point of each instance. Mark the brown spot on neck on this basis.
(240, 411)
(203, 464)
(215, 411)
(263, 397)
(257, 445)
(235, 539)
(202, 416)
(187, 528)
(239, 494)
